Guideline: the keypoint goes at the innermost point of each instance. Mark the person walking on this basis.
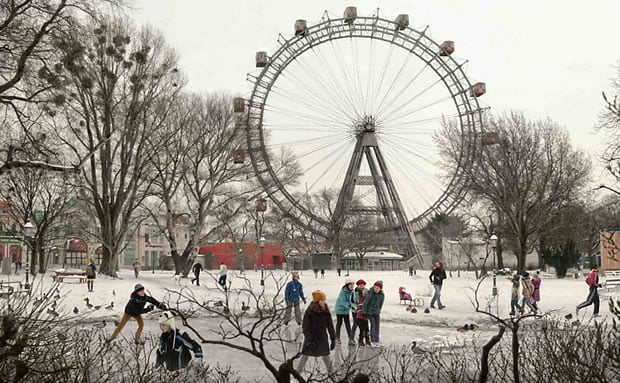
(91, 275)
(437, 277)
(322, 273)
(316, 273)
(338, 271)
(593, 285)
(411, 271)
(536, 281)
(174, 348)
(317, 326)
(514, 298)
(134, 309)
(223, 273)
(293, 293)
(344, 303)
(360, 320)
(136, 268)
(372, 309)
(197, 268)
(527, 291)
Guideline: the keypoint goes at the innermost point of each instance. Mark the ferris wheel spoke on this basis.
(315, 150)
(348, 82)
(410, 100)
(423, 107)
(392, 85)
(382, 77)
(356, 63)
(301, 116)
(302, 101)
(337, 158)
(326, 87)
(401, 92)
(396, 144)
(369, 81)
(408, 124)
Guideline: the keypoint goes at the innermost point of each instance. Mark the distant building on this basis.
(233, 253)
(610, 250)
(373, 261)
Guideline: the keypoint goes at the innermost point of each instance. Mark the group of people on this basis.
(530, 293)
(356, 307)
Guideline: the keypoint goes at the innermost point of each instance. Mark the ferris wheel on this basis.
(358, 101)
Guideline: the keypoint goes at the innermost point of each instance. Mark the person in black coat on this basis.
(437, 276)
(134, 309)
(317, 325)
(174, 348)
(197, 269)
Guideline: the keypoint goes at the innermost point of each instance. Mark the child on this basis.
(536, 294)
(91, 275)
(223, 274)
(528, 290)
(514, 299)
(134, 309)
(372, 308)
(361, 292)
(174, 347)
(343, 307)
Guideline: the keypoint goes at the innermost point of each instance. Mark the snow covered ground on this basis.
(398, 326)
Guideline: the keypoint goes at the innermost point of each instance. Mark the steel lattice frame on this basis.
(449, 71)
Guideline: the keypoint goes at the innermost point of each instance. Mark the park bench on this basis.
(9, 288)
(62, 275)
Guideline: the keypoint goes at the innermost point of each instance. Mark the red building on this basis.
(271, 256)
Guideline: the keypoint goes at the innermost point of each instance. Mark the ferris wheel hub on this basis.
(366, 124)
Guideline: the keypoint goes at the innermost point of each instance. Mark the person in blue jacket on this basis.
(343, 308)
(293, 293)
(174, 348)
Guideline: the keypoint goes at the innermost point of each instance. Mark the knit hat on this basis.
(379, 283)
(167, 317)
(138, 287)
(318, 296)
(360, 282)
(349, 280)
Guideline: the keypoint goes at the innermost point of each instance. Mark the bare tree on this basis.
(533, 171)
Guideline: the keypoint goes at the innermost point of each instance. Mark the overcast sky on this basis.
(546, 58)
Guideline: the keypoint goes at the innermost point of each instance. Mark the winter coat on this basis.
(344, 303)
(197, 268)
(174, 350)
(317, 323)
(592, 279)
(294, 291)
(536, 294)
(223, 270)
(437, 276)
(358, 296)
(528, 288)
(515, 290)
(373, 303)
(93, 271)
(136, 304)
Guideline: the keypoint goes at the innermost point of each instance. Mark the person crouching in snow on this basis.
(317, 325)
(134, 309)
(174, 348)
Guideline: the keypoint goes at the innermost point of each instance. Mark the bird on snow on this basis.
(57, 297)
(75, 310)
(53, 305)
(110, 306)
(52, 312)
(244, 307)
(414, 310)
(88, 303)
(97, 307)
(100, 324)
(113, 292)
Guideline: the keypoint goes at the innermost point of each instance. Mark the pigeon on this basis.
(427, 311)
(464, 328)
(57, 297)
(409, 308)
(97, 307)
(52, 312)
(113, 292)
(75, 310)
(414, 310)
(61, 337)
(218, 304)
(244, 307)
(568, 316)
(110, 306)
(473, 326)
(53, 305)
(116, 322)
(88, 303)
(100, 324)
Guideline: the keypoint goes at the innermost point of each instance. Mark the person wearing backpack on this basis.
(174, 347)
(91, 275)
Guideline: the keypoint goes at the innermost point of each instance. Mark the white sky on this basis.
(546, 58)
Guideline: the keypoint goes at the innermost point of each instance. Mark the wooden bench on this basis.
(9, 288)
(71, 275)
(611, 283)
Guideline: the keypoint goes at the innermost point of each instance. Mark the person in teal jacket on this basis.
(372, 308)
(343, 308)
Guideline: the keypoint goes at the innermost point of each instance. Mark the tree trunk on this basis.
(521, 258)
(500, 258)
(41, 256)
(515, 352)
(486, 349)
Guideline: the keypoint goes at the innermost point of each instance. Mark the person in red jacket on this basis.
(592, 282)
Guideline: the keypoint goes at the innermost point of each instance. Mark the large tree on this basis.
(119, 86)
(533, 171)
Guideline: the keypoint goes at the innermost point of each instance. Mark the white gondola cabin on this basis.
(301, 27)
(238, 105)
(350, 14)
(478, 89)
(261, 205)
(239, 156)
(447, 48)
(402, 22)
(261, 59)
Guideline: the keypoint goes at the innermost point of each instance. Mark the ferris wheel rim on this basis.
(338, 29)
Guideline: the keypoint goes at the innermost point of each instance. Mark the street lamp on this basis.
(493, 242)
(28, 232)
(261, 244)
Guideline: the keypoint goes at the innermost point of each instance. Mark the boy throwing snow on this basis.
(134, 309)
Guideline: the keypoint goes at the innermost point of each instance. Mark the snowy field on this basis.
(398, 326)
